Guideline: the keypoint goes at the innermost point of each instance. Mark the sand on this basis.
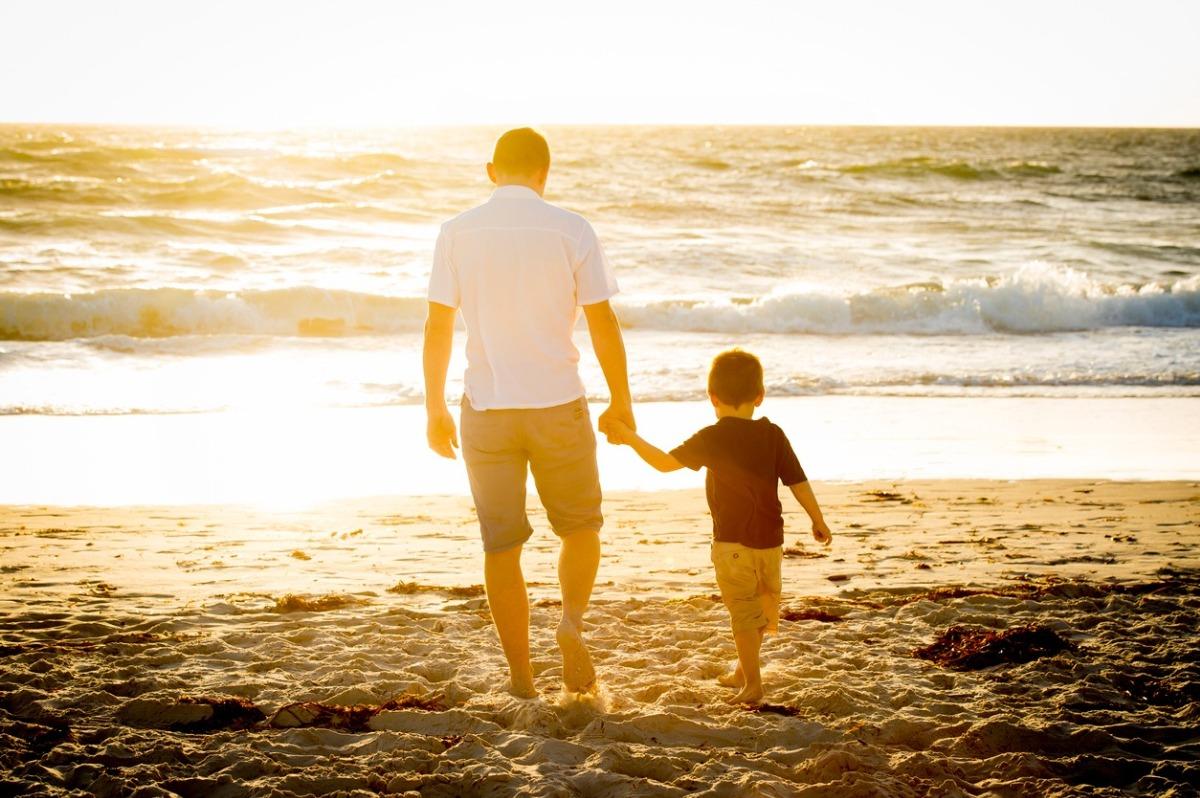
(123, 632)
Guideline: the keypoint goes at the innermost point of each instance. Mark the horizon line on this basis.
(277, 127)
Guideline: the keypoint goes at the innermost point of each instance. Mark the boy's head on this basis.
(735, 380)
(522, 157)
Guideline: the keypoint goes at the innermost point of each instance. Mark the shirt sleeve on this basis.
(594, 278)
(787, 466)
(695, 452)
(443, 279)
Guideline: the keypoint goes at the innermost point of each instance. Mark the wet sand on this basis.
(115, 622)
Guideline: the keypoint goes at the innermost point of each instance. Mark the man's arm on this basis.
(439, 342)
(808, 500)
(609, 346)
(654, 456)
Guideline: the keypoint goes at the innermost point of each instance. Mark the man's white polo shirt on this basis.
(519, 269)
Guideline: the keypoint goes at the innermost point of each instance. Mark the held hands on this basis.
(441, 432)
(619, 433)
(617, 415)
(821, 532)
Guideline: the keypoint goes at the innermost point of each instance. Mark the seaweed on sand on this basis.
(227, 713)
(974, 647)
(408, 588)
(788, 614)
(331, 601)
(350, 718)
(36, 736)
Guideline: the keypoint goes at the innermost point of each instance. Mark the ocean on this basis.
(153, 272)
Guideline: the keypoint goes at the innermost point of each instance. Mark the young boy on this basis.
(746, 459)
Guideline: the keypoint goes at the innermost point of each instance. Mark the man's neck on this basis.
(537, 189)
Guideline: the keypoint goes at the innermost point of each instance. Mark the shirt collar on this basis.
(514, 192)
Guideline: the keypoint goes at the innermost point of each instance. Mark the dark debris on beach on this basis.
(307, 714)
(973, 647)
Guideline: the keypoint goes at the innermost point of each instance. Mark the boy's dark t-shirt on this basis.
(746, 460)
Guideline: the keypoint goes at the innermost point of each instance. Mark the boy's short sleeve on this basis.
(787, 466)
(443, 280)
(695, 452)
(594, 278)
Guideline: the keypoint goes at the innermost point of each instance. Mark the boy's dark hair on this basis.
(521, 152)
(736, 377)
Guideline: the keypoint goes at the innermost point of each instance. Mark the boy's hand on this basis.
(821, 532)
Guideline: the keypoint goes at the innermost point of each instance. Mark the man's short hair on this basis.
(521, 152)
(736, 377)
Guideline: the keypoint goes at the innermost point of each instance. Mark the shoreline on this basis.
(286, 458)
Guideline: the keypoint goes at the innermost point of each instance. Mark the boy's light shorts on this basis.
(751, 581)
(557, 444)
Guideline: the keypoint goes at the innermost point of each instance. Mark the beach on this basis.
(127, 629)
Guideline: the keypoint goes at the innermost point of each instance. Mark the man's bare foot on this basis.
(578, 674)
(733, 679)
(522, 690)
(750, 694)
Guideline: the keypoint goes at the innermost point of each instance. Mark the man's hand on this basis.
(441, 432)
(821, 532)
(617, 413)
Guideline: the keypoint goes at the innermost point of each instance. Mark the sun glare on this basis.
(272, 64)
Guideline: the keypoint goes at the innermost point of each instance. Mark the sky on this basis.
(266, 63)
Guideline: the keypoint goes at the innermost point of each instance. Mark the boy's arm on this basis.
(654, 456)
(605, 332)
(808, 500)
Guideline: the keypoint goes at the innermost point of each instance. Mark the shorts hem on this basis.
(506, 546)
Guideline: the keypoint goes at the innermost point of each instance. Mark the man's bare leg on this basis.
(578, 562)
(748, 644)
(509, 603)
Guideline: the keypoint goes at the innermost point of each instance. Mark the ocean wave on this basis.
(1035, 299)
(352, 395)
(925, 166)
(166, 312)
(223, 188)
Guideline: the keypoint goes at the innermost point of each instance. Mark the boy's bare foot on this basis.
(734, 678)
(750, 694)
(578, 674)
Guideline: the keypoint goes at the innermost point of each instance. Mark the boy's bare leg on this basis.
(770, 604)
(509, 603)
(748, 644)
(735, 678)
(578, 562)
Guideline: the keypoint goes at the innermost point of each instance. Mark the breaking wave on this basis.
(1035, 299)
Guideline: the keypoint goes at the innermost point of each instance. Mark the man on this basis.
(519, 268)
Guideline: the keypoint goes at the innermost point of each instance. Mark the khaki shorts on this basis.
(751, 581)
(501, 447)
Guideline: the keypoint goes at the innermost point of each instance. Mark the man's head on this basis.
(522, 158)
(735, 381)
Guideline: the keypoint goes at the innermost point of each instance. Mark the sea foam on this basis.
(1035, 299)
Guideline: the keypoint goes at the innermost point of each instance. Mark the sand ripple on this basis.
(108, 705)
